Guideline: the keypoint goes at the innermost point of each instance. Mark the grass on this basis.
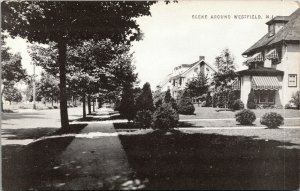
(220, 113)
(39, 105)
(212, 161)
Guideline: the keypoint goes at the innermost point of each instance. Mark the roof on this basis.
(195, 64)
(282, 19)
(290, 32)
(260, 71)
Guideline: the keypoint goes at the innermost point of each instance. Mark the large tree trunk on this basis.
(89, 105)
(62, 53)
(83, 106)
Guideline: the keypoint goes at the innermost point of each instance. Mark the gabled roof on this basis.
(260, 71)
(290, 32)
(195, 64)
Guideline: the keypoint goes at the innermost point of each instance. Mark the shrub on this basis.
(251, 103)
(221, 100)
(208, 100)
(143, 118)
(237, 105)
(185, 106)
(55, 107)
(245, 117)
(232, 97)
(165, 117)
(145, 99)
(272, 120)
(296, 99)
(127, 107)
(215, 100)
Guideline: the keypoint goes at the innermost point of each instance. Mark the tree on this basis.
(226, 70)
(48, 87)
(12, 70)
(127, 107)
(46, 21)
(208, 100)
(12, 94)
(145, 100)
(198, 85)
(185, 104)
(251, 102)
(296, 99)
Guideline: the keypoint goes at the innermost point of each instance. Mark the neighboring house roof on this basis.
(260, 71)
(290, 32)
(283, 19)
(195, 65)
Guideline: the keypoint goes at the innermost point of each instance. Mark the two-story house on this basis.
(273, 63)
(184, 73)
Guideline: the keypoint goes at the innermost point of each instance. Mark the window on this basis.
(292, 80)
(266, 96)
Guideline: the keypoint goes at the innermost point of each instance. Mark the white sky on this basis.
(172, 37)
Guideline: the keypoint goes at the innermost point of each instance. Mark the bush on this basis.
(233, 95)
(127, 107)
(272, 120)
(296, 99)
(208, 100)
(215, 100)
(185, 106)
(237, 105)
(165, 117)
(251, 103)
(245, 117)
(143, 118)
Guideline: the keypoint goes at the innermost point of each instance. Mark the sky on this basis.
(178, 33)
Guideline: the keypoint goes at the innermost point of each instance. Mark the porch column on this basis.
(245, 88)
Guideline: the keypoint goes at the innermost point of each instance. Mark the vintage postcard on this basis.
(150, 95)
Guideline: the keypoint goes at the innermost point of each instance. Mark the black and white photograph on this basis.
(150, 95)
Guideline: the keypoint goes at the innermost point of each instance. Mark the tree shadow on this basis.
(188, 124)
(26, 167)
(31, 115)
(28, 133)
(212, 162)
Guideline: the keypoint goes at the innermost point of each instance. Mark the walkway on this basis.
(93, 161)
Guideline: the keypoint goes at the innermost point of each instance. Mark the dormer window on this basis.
(271, 30)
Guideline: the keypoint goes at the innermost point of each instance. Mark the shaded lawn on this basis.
(27, 167)
(28, 133)
(231, 123)
(211, 161)
(221, 113)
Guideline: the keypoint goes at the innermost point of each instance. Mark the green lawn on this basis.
(220, 113)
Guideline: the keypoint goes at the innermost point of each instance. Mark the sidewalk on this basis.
(93, 161)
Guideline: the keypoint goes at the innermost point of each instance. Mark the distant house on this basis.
(184, 73)
(273, 63)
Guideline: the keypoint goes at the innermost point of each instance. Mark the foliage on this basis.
(208, 100)
(145, 100)
(232, 97)
(245, 117)
(223, 99)
(48, 87)
(296, 99)
(272, 120)
(215, 100)
(12, 94)
(165, 117)
(251, 103)
(185, 104)
(226, 66)
(238, 105)
(198, 85)
(143, 118)
(127, 107)
(168, 96)
(47, 21)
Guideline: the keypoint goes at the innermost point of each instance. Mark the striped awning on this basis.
(265, 83)
(258, 57)
(236, 84)
(272, 54)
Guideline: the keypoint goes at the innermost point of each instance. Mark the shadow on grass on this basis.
(15, 115)
(26, 167)
(28, 133)
(188, 124)
(211, 162)
(97, 118)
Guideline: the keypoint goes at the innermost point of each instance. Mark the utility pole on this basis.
(33, 86)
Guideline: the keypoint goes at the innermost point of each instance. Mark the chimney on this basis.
(201, 58)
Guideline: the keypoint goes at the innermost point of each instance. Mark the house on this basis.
(176, 81)
(273, 63)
